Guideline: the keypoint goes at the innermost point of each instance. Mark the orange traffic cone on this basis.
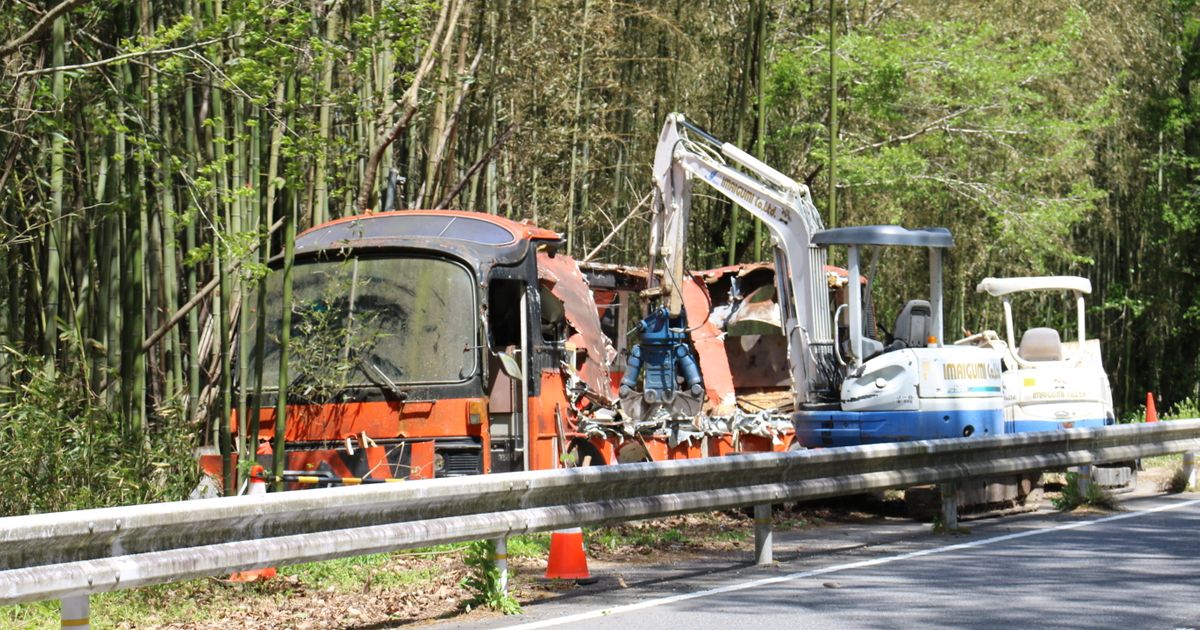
(1151, 412)
(258, 485)
(567, 558)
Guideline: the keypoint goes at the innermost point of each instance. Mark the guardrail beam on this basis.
(52, 556)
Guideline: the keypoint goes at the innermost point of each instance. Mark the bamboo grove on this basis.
(154, 156)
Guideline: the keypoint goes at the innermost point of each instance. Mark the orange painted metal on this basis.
(607, 449)
(562, 276)
(391, 419)
(421, 462)
(710, 349)
(544, 450)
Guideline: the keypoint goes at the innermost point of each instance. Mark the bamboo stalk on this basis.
(55, 230)
(761, 129)
(409, 101)
(285, 335)
(224, 442)
(238, 226)
(332, 29)
(575, 131)
(193, 326)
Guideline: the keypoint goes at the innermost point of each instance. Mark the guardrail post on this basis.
(762, 534)
(949, 506)
(500, 557)
(1083, 479)
(74, 612)
(1189, 468)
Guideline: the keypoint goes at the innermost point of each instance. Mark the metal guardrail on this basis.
(66, 554)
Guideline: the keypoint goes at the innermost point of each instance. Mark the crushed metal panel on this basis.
(710, 349)
(755, 317)
(617, 277)
(562, 276)
(758, 361)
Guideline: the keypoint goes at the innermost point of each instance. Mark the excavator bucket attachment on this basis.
(662, 359)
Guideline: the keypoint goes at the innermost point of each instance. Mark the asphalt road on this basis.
(1137, 568)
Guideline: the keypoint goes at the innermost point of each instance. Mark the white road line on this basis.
(651, 603)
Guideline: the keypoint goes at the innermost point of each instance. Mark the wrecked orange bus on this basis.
(442, 343)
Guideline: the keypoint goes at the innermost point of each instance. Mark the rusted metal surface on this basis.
(758, 361)
(746, 311)
(562, 276)
(616, 277)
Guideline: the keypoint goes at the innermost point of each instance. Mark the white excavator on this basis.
(849, 387)
(1049, 383)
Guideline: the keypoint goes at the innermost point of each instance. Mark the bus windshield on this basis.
(368, 322)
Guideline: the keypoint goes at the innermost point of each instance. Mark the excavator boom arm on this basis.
(783, 205)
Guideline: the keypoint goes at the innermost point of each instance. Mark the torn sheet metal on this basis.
(758, 362)
(615, 277)
(743, 298)
(762, 424)
(562, 276)
(710, 349)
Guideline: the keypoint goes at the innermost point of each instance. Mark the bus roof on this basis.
(378, 228)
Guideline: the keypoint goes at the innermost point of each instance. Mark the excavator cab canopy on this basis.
(884, 235)
(919, 322)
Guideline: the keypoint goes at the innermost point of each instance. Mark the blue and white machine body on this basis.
(845, 392)
(662, 358)
(1049, 383)
(913, 387)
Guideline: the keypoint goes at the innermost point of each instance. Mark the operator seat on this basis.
(1040, 344)
(913, 325)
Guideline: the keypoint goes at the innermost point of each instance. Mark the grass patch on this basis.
(149, 605)
(344, 574)
(361, 573)
(29, 616)
(617, 537)
(529, 546)
(732, 535)
(1163, 461)
(1095, 496)
(202, 599)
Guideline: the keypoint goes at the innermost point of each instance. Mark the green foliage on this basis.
(948, 122)
(484, 580)
(329, 337)
(357, 574)
(529, 546)
(1071, 498)
(65, 451)
(613, 538)
(1185, 409)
